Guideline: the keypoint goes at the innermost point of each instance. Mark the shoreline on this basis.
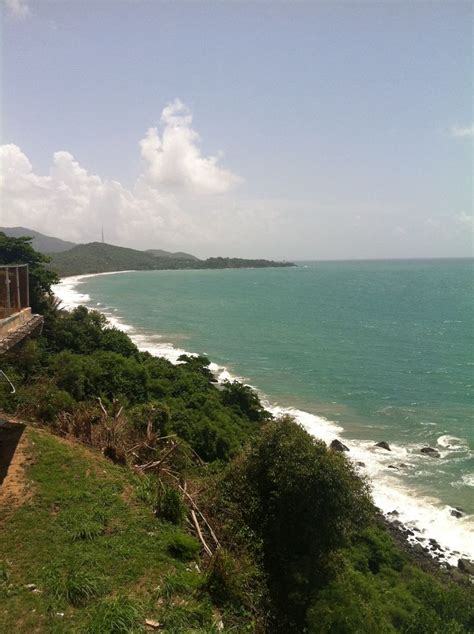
(419, 519)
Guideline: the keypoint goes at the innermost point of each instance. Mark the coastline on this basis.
(419, 519)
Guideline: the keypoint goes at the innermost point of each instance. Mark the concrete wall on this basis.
(10, 324)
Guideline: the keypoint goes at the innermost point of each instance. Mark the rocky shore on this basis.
(426, 551)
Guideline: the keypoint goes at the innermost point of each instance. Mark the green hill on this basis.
(97, 257)
(177, 255)
(41, 242)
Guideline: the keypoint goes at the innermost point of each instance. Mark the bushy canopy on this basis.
(302, 500)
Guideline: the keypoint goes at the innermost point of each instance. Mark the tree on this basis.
(20, 251)
(245, 401)
(302, 500)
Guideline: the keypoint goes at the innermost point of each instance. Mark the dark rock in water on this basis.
(383, 445)
(360, 464)
(410, 532)
(457, 513)
(403, 465)
(392, 466)
(466, 566)
(434, 543)
(337, 445)
(429, 451)
(394, 513)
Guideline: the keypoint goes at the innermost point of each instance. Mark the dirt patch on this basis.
(14, 456)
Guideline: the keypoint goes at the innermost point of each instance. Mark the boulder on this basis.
(360, 464)
(467, 566)
(429, 451)
(337, 445)
(392, 466)
(383, 445)
(395, 513)
(457, 513)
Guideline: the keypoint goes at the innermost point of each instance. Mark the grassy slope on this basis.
(123, 551)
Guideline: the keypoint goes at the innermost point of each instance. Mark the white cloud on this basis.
(18, 9)
(460, 132)
(158, 209)
(174, 160)
(465, 219)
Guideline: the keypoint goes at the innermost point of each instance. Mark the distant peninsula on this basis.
(68, 259)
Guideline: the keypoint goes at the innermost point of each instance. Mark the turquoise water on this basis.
(382, 349)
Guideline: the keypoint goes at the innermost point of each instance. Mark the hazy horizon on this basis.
(312, 131)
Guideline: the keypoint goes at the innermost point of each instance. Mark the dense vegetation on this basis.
(96, 257)
(284, 532)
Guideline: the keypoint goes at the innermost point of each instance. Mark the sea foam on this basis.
(426, 516)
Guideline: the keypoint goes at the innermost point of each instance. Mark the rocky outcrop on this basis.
(466, 566)
(337, 445)
(383, 445)
(457, 513)
(429, 451)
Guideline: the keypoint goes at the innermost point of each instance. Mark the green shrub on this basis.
(44, 401)
(170, 506)
(71, 584)
(183, 547)
(231, 579)
(116, 615)
(179, 584)
(87, 531)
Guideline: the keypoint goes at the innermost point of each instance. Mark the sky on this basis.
(316, 130)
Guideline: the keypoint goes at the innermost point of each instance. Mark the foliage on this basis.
(234, 580)
(302, 501)
(85, 331)
(150, 418)
(183, 547)
(377, 589)
(170, 506)
(20, 251)
(244, 400)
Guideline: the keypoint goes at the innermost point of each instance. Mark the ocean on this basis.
(360, 351)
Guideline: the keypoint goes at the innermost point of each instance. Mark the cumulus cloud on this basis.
(18, 9)
(465, 219)
(159, 208)
(174, 159)
(462, 132)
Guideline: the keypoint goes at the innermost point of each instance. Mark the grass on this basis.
(98, 557)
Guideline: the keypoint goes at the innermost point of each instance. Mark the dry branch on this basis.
(199, 533)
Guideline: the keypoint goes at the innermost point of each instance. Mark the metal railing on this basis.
(14, 289)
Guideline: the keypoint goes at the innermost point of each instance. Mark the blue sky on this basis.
(315, 130)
